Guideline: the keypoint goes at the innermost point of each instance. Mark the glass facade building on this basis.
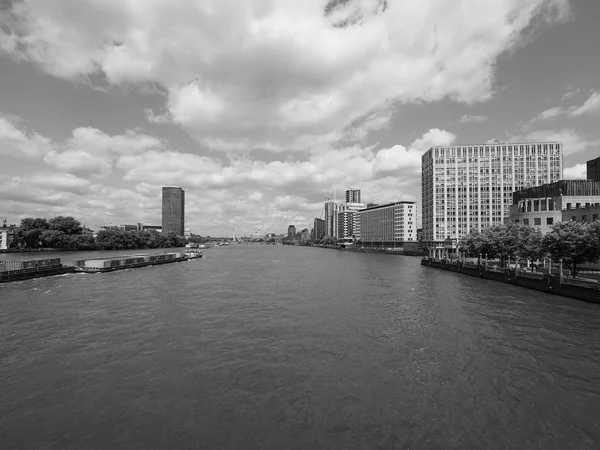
(470, 187)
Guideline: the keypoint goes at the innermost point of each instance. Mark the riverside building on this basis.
(331, 219)
(389, 225)
(291, 232)
(469, 187)
(543, 206)
(349, 222)
(352, 195)
(318, 229)
(173, 210)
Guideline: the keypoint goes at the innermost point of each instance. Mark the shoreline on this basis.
(550, 284)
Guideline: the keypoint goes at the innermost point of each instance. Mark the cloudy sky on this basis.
(260, 108)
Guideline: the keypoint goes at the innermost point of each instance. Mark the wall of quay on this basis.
(549, 283)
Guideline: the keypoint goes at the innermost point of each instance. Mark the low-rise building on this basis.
(388, 225)
(542, 206)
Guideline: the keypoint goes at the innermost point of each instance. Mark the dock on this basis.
(24, 270)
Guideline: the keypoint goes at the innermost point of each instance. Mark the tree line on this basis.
(66, 233)
(572, 242)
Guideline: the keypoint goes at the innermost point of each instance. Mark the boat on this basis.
(127, 262)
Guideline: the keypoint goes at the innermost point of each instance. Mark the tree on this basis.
(29, 223)
(54, 239)
(530, 243)
(67, 225)
(573, 242)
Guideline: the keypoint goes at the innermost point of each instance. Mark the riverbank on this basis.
(543, 282)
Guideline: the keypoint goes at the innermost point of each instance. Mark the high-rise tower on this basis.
(352, 195)
(470, 187)
(173, 210)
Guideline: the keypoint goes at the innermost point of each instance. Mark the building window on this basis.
(574, 218)
(537, 221)
(568, 206)
(577, 205)
(516, 220)
(525, 221)
(584, 218)
(549, 220)
(594, 216)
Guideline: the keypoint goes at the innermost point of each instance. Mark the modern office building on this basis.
(173, 210)
(331, 219)
(291, 232)
(318, 229)
(469, 187)
(593, 169)
(348, 221)
(352, 195)
(542, 206)
(388, 225)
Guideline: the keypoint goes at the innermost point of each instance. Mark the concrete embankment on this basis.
(553, 284)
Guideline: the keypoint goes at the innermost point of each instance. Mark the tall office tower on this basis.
(173, 210)
(291, 232)
(470, 187)
(352, 195)
(593, 169)
(318, 229)
(331, 219)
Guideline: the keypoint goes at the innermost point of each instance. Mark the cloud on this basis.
(278, 75)
(572, 140)
(576, 172)
(102, 178)
(472, 119)
(591, 106)
(569, 94)
(548, 114)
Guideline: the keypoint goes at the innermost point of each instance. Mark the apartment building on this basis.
(470, 186)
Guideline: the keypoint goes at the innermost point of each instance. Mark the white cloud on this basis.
(569, 94)
(278, 75)
(549, 114)
(576, 172)
(467, 118)
(572, 140)
(591, 106)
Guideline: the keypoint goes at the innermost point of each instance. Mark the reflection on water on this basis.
(281, 347)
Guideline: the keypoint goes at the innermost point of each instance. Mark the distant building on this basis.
(352, 195)
(593, 169)
(348, 221)
(291, 232)
(470, 187)
(318, 229)
(305, 235)
(388, 225)
(173, 210)
(372, 205)
(543, 206)
(331, 219)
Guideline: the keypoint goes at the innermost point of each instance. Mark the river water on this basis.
(276, 347)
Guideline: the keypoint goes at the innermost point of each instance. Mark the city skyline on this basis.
(94, 130)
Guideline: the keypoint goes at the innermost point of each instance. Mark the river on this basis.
(277, 347)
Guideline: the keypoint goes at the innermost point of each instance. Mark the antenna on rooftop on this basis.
(498, 142)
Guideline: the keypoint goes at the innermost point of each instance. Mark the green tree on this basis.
(67, 225)
(54, 239)
(573, 242)
(30, 223)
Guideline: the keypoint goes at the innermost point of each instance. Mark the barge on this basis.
(128, 262)
(25, 270)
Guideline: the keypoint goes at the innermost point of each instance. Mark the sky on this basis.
(260, 109)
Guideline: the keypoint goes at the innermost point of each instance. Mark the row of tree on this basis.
(67, 233)
(573, 243)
